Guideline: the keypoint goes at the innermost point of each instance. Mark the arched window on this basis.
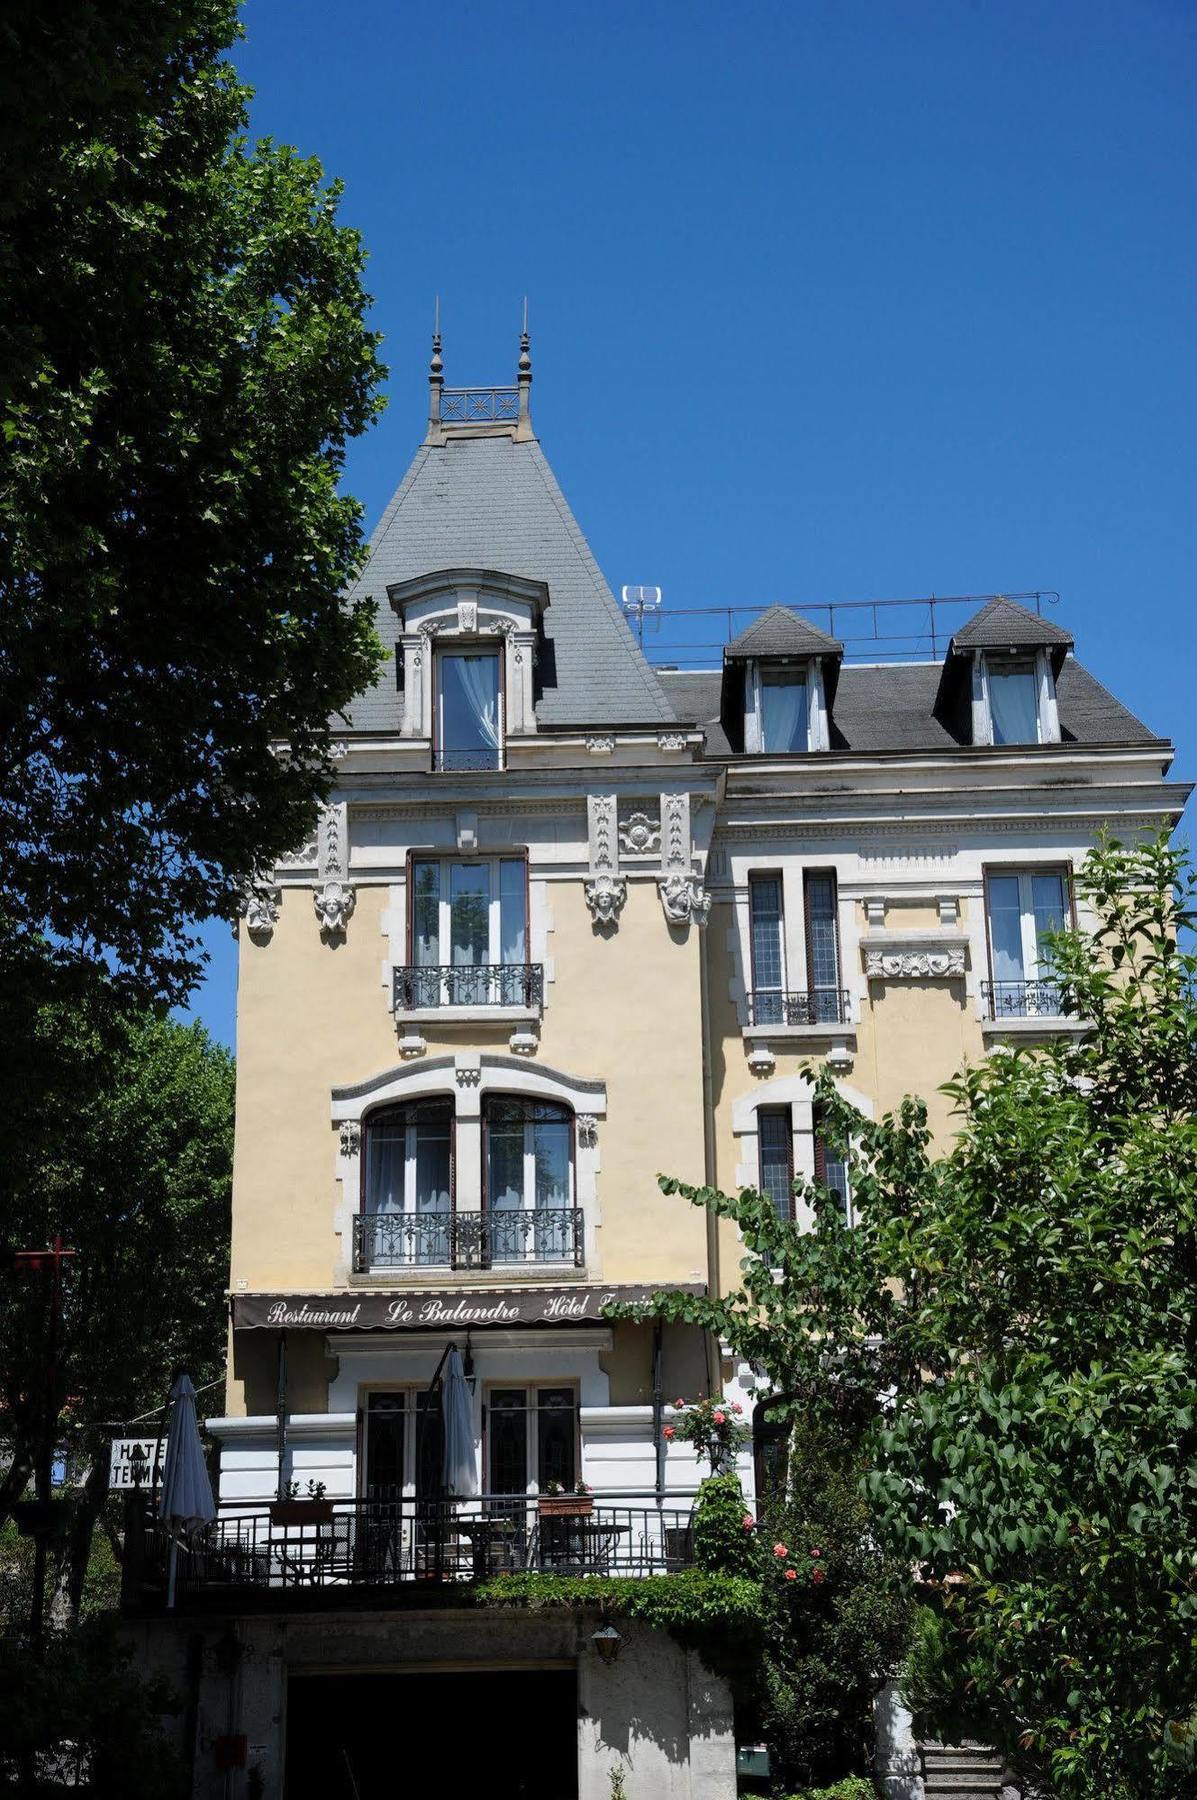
(528, 1164)
(407, 1186)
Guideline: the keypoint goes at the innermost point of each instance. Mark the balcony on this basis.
(250, 1554)
(468, 1240)
(1024, 1000)
(468, 987)
(814, 1006)
(465, 762)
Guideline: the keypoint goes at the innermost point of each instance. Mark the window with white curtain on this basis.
(784, 710)
(407, 1183)
(1013, 701)
(1022, 907)
(469, 916)
(468, 709)
(529, 1176)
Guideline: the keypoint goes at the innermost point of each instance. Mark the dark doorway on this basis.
(508, 1734)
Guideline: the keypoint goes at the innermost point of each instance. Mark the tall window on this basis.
(468, 708)
(785, 711)
(407, 1176)
(775, 1135)
(530, 1181)
(532, 1439)
(831, 1168)
(469, 932)
(822, 946)
(767, 927)
(1013, 702)
(1023, 906)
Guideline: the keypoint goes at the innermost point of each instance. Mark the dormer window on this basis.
(784, 711)
(779, 681)
(999, 677)
(468, 710)
(1014, 701)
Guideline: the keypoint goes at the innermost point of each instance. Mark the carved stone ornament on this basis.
(600, 744)
(914, 965)
(605, 895)
(298, 859)
(338, 750)
(334, 903)
(671, 740)
(587, 1130)
(639, 834)
(259, 907)
(467, 1078)
(684, 898)
(351, 1137)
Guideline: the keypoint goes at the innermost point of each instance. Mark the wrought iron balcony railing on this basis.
(1025, 1000)
(479, 406)
(816, 1006)
(468, 1240)
(387, 1543)
(469, 984)
(456, 762)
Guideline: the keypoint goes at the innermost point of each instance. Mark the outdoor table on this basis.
(482, 1532)
(569, 1545)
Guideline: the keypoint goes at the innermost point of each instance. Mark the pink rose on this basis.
(818, 1575)
(668, 1432)
(780, 1550)
(678, 1405)
(816, 1553)
(748, 1522)
(720, 1418)
(791, 1574)
(736, 1407)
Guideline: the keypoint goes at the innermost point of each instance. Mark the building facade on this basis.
(568, 922)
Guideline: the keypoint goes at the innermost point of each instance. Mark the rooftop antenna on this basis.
(639, 601)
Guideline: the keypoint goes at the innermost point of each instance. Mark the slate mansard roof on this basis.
(490, 502)
(891, 707)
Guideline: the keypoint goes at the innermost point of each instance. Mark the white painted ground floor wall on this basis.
(656, 1712)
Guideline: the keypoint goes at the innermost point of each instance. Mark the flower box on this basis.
(565, 1506)
(301, 1512)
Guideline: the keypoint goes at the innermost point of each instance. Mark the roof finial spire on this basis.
(436, 379)
(524, 427)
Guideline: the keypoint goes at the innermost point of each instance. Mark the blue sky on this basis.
(828, 301)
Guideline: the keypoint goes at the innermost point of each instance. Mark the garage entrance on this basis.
(511, 1734)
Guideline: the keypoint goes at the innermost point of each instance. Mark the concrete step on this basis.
(968, 1771)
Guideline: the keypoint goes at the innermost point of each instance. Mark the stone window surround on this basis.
(792, 871)
(467, 1078)
(1045, 686)
(794, 1092)
(469, 609)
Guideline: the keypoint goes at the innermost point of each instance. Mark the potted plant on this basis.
(312, 1508)
(557, 1503)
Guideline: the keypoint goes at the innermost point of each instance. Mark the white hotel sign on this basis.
(136, 1462)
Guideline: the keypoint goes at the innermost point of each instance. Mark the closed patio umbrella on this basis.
(460, 1470)
(186, 1501)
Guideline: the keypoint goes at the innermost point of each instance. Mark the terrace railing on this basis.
(352, 1544)
(469, 1240)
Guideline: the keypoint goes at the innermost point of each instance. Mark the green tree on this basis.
(183, 358)
(134, 1169)
(1013, 1326)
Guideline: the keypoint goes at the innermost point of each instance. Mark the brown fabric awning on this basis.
(420, 1310)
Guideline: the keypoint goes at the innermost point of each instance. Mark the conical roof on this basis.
(492, 502)
(781, 632)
